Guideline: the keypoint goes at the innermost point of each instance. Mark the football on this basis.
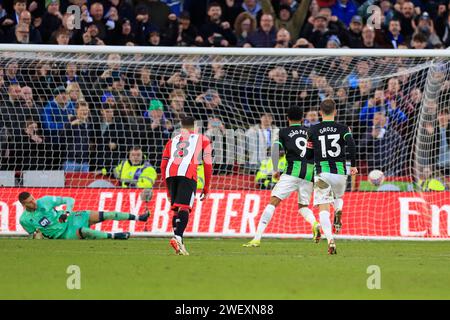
(376, 177)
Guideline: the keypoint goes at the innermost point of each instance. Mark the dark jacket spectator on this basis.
(76, 139)
(188, 34)
(353, 36)
(109, 139)
(29, 147)
(215, 31)
(384, 147)
(265, 36)
(51, 21)
(159, 12)
(320, 33)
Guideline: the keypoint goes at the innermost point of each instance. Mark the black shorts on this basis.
(182, 192)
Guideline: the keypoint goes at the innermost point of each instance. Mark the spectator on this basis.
(253, 7)
(154, 39)
(442, 24)
(444, 142)
(62, 37)
(393, 91)
(159, 12)
(289, 19)
(209, 105)
(109, 139)
(188, 34)
(334, 25)
(265, 36)
(143, 25)
(259, 140)
(22, 33)
(223, 159)
(379, 104)
(320, 33)
(394, 35)
(30, 108)
(419, 41)
(12, 113)
(311, 118)
(368, 38)
(34, 34)
(74, 92)
(244, 25)
(264, 179)
(147, 87)
(29, 148)
(136, 171)
(97, 13)
(92, 35)
(231, 10)
(283, 39)
(76, 138)
(344, 10)
(51, 20)
(57, 112)
(333, 42)
(12, 19)
(406, 15)
(215, 31)
(156, 117)
(124, 33)
(384, 147)
(353, 36)
(177, 101)
(426, 26)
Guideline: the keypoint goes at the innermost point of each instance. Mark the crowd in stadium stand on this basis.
(227, 23)
(98, 114)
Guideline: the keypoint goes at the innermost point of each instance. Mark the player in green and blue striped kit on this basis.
(41, 217)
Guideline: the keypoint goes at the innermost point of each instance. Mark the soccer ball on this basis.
(376, 177)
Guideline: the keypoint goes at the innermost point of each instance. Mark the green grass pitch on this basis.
(223, 269)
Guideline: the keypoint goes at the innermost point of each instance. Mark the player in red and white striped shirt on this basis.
(181, 156)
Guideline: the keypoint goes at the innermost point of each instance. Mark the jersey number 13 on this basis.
(335, 148)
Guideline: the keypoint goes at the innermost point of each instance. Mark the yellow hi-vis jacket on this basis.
(200, 177)
(140, 176)
(264, 175)
(431, 185)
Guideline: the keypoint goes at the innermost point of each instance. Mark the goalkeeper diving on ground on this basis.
(41, 218)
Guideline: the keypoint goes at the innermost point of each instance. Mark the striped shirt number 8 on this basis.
(182, 149)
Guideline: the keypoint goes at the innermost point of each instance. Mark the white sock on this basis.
(308, 215)
(326, 224)
(338, 204)
(265, 219)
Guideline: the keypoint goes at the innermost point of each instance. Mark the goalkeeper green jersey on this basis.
(46, 218)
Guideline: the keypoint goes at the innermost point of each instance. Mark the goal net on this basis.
(91, 123)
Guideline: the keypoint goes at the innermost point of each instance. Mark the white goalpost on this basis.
(70, 116)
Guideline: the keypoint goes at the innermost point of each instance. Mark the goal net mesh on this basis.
(69, 121)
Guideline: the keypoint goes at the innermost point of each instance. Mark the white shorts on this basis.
(335, 190)
(288, 184)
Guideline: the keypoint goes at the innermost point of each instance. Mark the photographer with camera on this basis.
(215, 31)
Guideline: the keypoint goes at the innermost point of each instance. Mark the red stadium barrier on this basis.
(236, 213)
